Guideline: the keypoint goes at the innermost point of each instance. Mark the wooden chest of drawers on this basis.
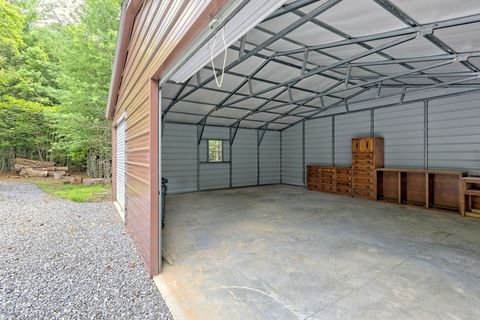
(329, 179)
(367, 155)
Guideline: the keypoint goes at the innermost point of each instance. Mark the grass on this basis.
(73, 192)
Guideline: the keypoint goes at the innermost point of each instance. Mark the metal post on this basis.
(258, 158)
(230, 155)
(372, 122)
(281, 157)
(333, 140)
(425, 134)
(303, 152)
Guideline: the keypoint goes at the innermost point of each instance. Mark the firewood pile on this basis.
(35, 168)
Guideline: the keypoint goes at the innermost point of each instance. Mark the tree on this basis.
(24, 131)
(86, 58)
(60, 74)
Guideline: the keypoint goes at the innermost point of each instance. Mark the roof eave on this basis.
(127, 17)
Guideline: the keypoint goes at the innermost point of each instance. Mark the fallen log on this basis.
(37, 173)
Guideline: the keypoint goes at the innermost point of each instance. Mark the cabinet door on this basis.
(366, 145)
(355, 145)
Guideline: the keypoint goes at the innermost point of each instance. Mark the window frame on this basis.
(221, 151)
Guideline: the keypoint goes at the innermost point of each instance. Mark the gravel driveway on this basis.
(63, 260)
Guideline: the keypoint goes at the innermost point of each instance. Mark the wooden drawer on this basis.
(362, 194)
(343, 188)
(363, 179)
(364, 156)
(327, 188)
(364, 187)
(362, 162)
(345, 180)
(363, 173)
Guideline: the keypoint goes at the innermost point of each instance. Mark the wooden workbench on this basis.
(437, 189)
(470, 197)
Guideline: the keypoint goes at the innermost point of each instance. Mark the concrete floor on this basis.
(282, 252)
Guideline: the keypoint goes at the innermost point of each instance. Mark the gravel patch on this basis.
(65, 260)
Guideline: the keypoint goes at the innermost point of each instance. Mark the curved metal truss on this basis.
(328, 77)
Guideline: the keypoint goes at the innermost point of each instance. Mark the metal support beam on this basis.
(179, 92)
(425, 134)
(242, 46)
(406, 91)
(372, 122)
(345, 61)
(402, 16)
(402, 96)
(200, 130)
(389, 34)
(232, 137)
(286, 8)
(305, 61)
(303, 154)
(379, 89)
(298, 23)
(263, 129)
(369, 83)
(333, 140)
(347, 77)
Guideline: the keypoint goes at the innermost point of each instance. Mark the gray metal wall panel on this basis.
(179, 157)
(402, 127)
(270, 158)
(214, 176)
(292, 155)
(244, 158)
(348, 126)
(454, 133)
(216, 133)
(318, 141)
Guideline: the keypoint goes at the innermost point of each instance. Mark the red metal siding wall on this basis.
(159, 31)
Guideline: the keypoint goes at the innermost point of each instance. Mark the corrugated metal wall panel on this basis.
(269, 156)
(348, 126)
(292, 155)
(402, 128)
(454, 133)
(318, 141)
(214, 175)
(244, 158)
(179, 157)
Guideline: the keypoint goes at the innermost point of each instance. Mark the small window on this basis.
(215, 150)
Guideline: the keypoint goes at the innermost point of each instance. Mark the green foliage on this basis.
(73, 192)
(54, 82)
(85, 62)
(12, 23)
(24, 129)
